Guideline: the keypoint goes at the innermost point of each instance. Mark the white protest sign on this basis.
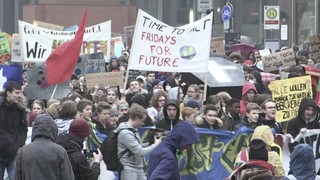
(158, 46)
(37, 43)
(16, 49)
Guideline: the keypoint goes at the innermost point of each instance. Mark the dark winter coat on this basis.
(163, 162)
(13, 130)
(44, 158)
(299, 122)
(80, 166)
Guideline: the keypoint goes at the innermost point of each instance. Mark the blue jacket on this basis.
(302, 164)
(163, 162)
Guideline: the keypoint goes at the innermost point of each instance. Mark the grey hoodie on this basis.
(127, 139)
(63, 125)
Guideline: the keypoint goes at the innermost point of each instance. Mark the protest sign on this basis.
(104, 79)
(37, 43)
(273, 61)
(158, 46)
(38, 87)
(95, 66)
(48, 25)
(4, 44)
(116, 46)
(16, 49)
(287, 95)
(217, 45)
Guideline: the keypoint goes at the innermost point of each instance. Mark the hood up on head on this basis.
(45, 127)
(302, 163)
(175, 103)
(181, 135)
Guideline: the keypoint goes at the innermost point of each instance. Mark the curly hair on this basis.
(156, 96)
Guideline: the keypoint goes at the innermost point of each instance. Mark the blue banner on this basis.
(213, 157)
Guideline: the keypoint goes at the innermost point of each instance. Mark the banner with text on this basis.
(104, 79)
(288, 93)
(38, 43)
(273, 61)
(158, 46)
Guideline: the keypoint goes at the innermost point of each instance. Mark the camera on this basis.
(159, 133)
(89, 154)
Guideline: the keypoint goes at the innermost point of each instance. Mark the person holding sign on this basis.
(307, 118)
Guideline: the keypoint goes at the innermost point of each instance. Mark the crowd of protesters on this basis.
(84, 119)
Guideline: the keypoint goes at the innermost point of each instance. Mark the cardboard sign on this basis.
(159, 47)
(48, 25)
(273, 61)
(16, 48)
(104, 79)
(288, 94)
(217, 45)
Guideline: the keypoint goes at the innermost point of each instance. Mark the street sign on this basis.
(226, 13)
(204, 5)
(271, 17)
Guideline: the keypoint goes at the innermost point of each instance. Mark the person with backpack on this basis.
(264, 133)
(257, 167)
(302, 164)
(130, 150)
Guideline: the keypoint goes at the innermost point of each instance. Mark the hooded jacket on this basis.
(264, 133)
(81, 168)
(13, 130)
(299, 122)
(130, 139)
(45, 159)
(163, 163)
(246, 87)
(63, 125)
(166, 123)
(302, 163)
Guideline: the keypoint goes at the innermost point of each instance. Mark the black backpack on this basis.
(109, 150)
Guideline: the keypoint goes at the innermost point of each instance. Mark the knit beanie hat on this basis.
(155, 82)
(193, 104)
(258, 150)
(79, 128)
(139, 99)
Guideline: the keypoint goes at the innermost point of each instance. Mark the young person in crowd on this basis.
(132, 161)
(163, 163)
(171, 112)
(13, 128)
(43, 158)
(210, 118)
(248, 93)
(72, 142)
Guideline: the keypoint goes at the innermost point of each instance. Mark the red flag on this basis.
(62, 61)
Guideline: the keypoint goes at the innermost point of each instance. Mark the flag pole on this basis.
(54, 91)
(205, 88)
